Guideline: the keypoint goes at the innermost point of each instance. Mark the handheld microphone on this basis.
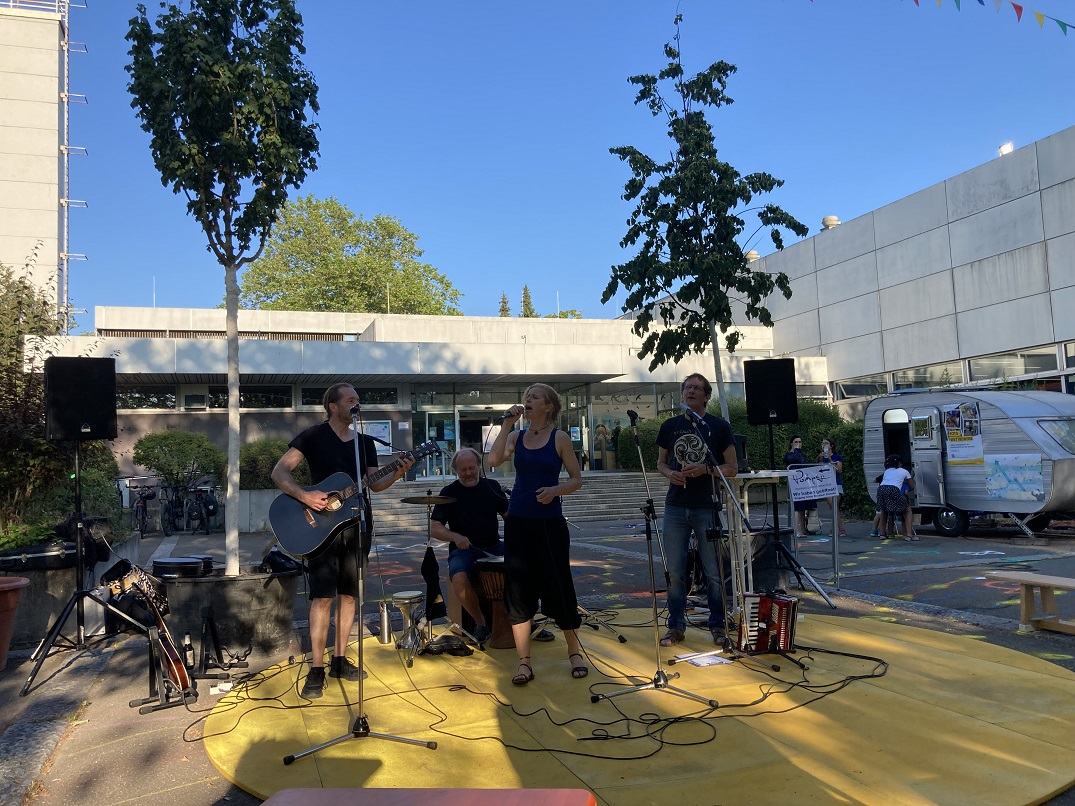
(502, 417)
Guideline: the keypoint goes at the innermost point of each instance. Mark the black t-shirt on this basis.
(474, 512)
(678, 437)
(326, 454)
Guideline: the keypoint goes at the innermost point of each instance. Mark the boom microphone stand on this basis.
(361, 727)
(659, 681)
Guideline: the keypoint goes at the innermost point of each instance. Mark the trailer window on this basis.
(923, 427)
(1063, 431)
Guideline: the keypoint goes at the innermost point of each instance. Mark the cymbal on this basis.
(428, 500)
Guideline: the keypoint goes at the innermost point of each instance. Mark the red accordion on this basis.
(767, 623)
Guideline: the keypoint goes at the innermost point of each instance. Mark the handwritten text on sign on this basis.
(811, 483)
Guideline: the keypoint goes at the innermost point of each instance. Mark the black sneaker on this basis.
(718, 635)
(314, 686)
(543, 635)
(481, 634)
(342, 667)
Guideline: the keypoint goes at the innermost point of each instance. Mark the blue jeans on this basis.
(679, 522)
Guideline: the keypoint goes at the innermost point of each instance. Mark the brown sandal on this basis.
(522, 678)
(672, 637)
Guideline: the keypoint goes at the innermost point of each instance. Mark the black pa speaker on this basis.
(80, 398)
(770, 391)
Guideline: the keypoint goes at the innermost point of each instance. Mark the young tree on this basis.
(687, 221)
(224, 96)
(527, 310)
(569, 313)
(321, 257)
(505, 308)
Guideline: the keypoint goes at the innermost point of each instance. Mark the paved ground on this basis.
(75, 740)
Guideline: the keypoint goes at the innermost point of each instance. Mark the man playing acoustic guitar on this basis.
(334, 572)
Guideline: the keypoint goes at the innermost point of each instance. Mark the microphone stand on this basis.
(361, 727)
(659, 681)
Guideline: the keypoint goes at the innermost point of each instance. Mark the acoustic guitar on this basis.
(305, 533)
(175, 672)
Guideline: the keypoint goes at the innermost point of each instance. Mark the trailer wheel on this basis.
(951, 522)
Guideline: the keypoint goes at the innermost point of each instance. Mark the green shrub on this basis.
(180, 457)
(257, 459)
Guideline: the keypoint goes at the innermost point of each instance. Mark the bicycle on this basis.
(171, 509)
(139, 510)
(198, 508)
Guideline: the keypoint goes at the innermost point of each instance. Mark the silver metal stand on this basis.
(659, 681)
(361, 727)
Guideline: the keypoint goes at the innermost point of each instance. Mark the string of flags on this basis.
(1018, 9)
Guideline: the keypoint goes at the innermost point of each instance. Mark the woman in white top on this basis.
(892, 497)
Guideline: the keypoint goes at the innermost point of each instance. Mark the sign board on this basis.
(811, 483)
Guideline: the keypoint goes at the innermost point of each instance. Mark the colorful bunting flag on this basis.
(1018, 12)
(1040, 18)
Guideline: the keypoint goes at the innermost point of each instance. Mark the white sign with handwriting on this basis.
(811, 483)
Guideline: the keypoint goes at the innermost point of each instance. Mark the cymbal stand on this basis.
(659, 681)
(361, 727)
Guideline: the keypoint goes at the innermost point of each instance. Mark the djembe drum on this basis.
(490, 572)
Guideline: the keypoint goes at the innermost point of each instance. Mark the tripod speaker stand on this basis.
(80, 405)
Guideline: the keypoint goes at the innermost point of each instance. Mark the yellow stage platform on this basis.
(951, 720)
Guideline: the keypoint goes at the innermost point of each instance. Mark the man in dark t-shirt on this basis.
(334, 572)
(689, 505)
(471, 527)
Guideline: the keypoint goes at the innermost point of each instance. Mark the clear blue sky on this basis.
(484, 127)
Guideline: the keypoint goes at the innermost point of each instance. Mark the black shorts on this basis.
(335, 571)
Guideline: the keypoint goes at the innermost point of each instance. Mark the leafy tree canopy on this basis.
(689, 219)
(570, 313)
(179, 457)
(321, 257)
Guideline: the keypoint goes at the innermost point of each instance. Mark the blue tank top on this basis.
(534, 469)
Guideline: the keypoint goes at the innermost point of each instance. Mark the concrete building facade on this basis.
(33, 140)
(971, 280)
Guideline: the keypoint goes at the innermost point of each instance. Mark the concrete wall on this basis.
(30, 125)
(983, 262)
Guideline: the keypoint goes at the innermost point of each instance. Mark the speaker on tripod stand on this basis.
(80, 405)
(769, 385)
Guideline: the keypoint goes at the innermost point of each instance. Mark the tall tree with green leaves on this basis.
(505, 308)
(321, 257)
(688, 224)
(568, 313)
(220, 87)
(527, 309)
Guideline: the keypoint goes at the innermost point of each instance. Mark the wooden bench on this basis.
(1048, 617)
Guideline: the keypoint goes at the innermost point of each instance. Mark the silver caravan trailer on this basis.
(977, 453)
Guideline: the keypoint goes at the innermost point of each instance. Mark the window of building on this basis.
(252, 397)
(1010, 365)
(145, 397)
(865, 386)
(369, 395)
(925, 377)
(1069, 354)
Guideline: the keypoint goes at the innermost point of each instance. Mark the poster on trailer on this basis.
(963, 426)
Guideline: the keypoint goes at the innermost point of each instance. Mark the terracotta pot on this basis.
(10, 589)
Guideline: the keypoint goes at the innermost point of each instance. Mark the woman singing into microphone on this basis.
(536, 541)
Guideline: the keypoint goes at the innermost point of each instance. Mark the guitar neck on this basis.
(382, 472)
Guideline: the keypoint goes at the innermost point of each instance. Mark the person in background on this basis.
(892, 495)
(795, 456)
(536, 542)
(828, 456)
